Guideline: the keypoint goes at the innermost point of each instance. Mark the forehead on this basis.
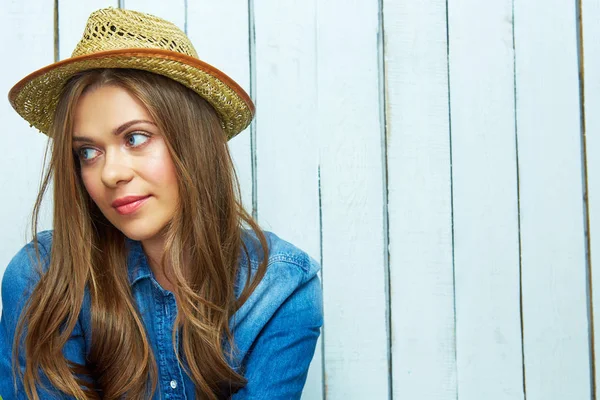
(100, 110)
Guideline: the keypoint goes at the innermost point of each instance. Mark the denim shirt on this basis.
(275, 331)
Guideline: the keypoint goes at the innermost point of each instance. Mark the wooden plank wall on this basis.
(440, 158)
(589, 14)
(420, 200)
(555, 302)
(30, 25)
(485, 200)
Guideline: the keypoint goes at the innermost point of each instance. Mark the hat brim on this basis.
(36, 96)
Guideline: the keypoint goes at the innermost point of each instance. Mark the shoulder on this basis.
(25, 269)
(288, 266)
(281, 253)
(20, 278)
(290, 292)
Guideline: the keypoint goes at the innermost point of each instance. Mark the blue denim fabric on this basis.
(275, 331)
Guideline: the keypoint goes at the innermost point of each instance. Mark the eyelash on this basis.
(127, 137)
(132, 134)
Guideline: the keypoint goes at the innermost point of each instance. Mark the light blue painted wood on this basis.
(286, 126)
(485, 199)
(25, 25)
(420, 214)
(349, 138)
(591, 67)
(556, 348)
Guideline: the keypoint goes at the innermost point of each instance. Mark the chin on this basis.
(142, 233)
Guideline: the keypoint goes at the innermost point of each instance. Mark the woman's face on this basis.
(125, 165)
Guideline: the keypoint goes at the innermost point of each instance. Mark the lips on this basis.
(129, 204)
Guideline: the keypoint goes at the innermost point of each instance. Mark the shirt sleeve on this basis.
(277, 363)
(18, 282)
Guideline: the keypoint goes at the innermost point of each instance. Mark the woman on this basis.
(150, 284)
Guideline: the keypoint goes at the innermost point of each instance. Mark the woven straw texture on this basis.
(116, 38)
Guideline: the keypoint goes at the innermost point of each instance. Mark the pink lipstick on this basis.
(129, 204)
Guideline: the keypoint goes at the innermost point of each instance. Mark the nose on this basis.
(116, 170)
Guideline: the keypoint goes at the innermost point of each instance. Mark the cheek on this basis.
(161, 171)
(92, 186)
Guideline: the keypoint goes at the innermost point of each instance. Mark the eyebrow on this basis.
(117, 131)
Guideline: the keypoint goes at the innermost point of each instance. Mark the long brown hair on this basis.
(89, 253)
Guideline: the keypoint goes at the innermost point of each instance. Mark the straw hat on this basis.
(116, 38)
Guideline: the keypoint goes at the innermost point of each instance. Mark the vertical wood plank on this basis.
(420, 213)
(556, 348)
(25, 24)
(72, 17)
(485, 198)
(355, 307)
(287, 158)
(219, 31)
(590, 14)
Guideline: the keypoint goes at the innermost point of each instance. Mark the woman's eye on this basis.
(87, 153)
(137, 139)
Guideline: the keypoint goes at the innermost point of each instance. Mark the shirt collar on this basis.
(137, 264)
(138, 267)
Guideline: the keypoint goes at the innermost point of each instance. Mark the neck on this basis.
(154, 249)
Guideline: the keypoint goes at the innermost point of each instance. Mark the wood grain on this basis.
(28, 27)
(555, 329)
(420, 209)
(590, 67)
(349, 137)
(485, 199)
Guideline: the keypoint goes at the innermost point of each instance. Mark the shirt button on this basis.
(173, 384)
